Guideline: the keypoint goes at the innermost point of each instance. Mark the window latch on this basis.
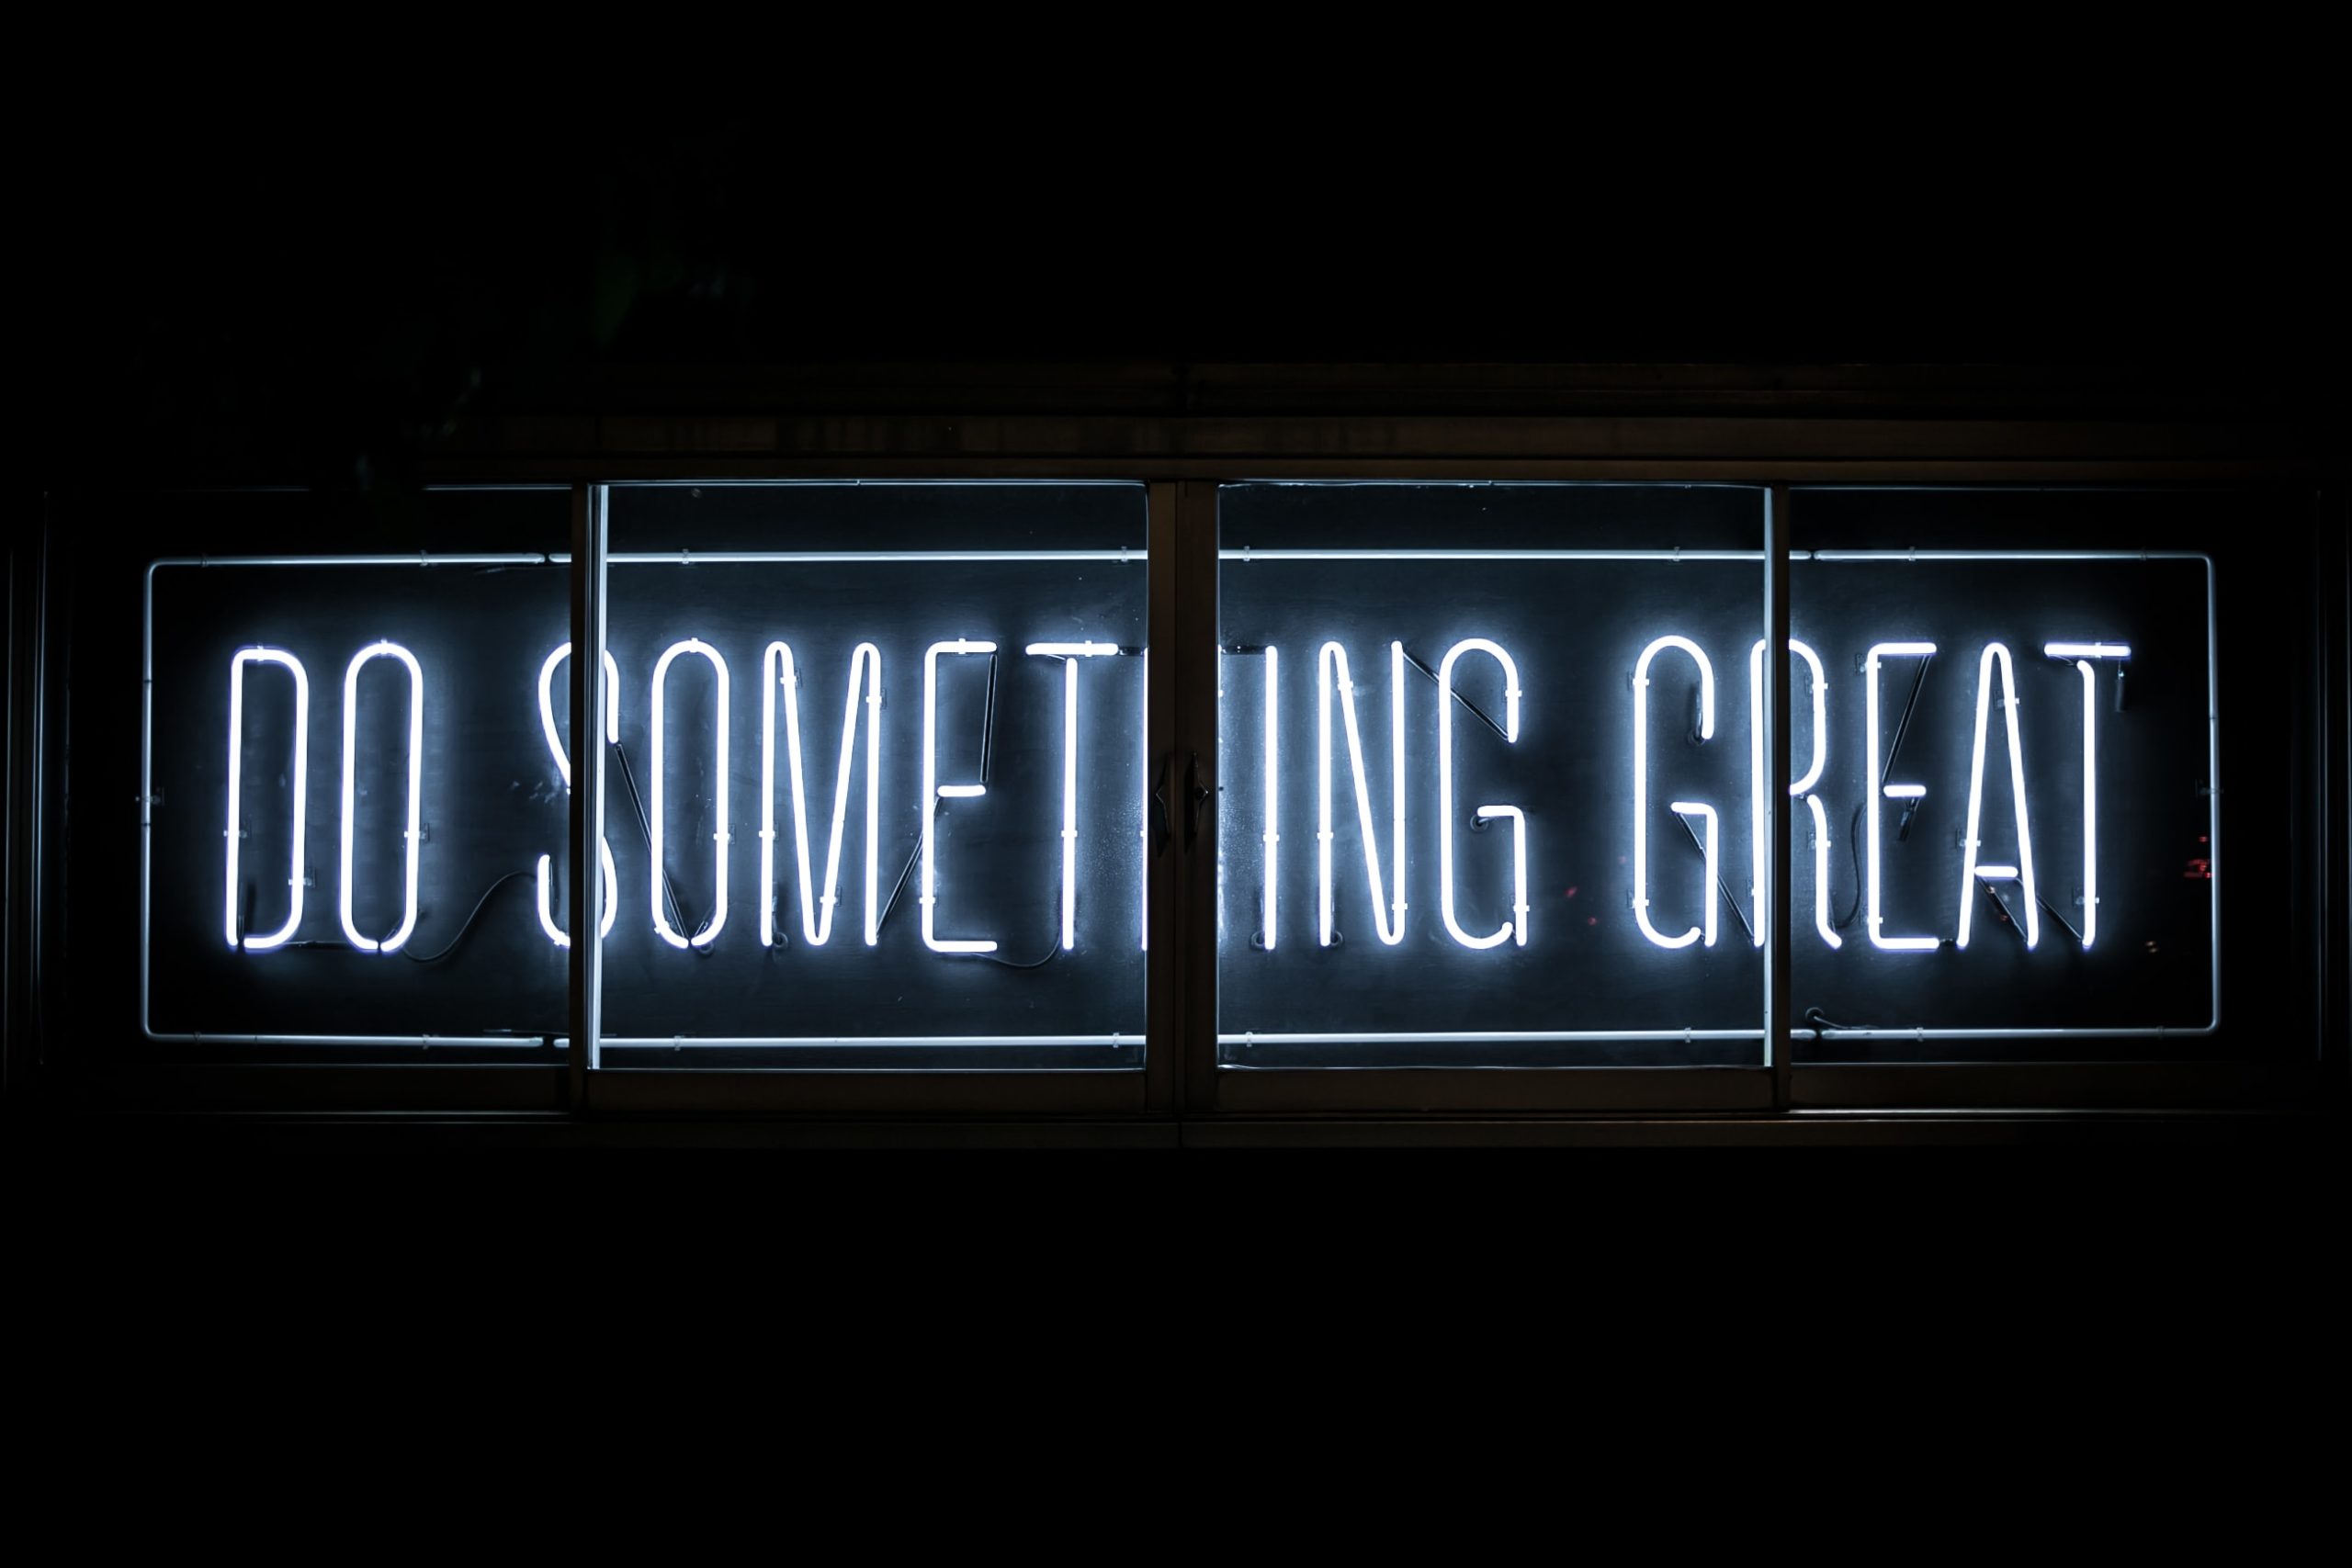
(1196, 796)
(1159, 810)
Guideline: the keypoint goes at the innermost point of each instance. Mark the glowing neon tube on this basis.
(1333, 666)
(556, 933)
(415, 790)
(1641, 784)
(2081, 653)
(1273, 836)
(1821, 874)
(1707, 814)
(817, 909)
(933, 792)
(1518, 818)
(1756, 768)
(1143, 828)
(546, 911)
(300, 769)
(1998, 655)
(1516, 926)
(1070, 653)
(2090, 804)
(1874, 786)
(719, 835)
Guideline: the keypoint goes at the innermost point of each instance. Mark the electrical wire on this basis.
(1904, 724)
(1854, 853)
(988, 723)
(1854, 823)
(463, 930)
(2064, 924)
(645, 827)
(1722, 888)
(916, 853)
(1014, 964)
(1476, 712)
(900, 887)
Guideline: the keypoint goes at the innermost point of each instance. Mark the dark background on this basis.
(256, 290)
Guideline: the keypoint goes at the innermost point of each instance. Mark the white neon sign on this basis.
(1756, 767)
(1821, 921)
(1642, 790)
(545, 873)
(933, 792)
(299, 771)
(1706, 814)
(1070, 653)
(719, 839)
(1998, 655)
(1389, 923)
(2081, 653)
(817, 909)
(1385, 872)
(1272, 836)
(1515, 929)
(413, 835)
(1874, 789)
(1143, 828)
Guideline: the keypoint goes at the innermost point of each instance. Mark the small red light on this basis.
(1569, 894)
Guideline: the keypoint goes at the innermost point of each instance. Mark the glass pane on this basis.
(2008, 845)
(1486, 766)
(348, 781)
(877, 795)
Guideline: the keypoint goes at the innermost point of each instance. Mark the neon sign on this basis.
(866, 692)
(453, 774)
(1543, 847)
(1934, 784)
(240, 939)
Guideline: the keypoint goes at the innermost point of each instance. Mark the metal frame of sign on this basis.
(2212, 792)
(147, 799)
